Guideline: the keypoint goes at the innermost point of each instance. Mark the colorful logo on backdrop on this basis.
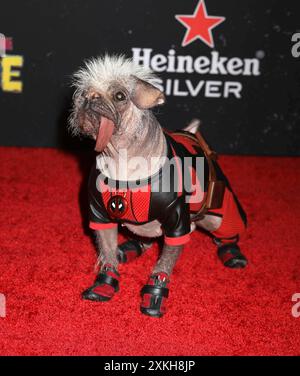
(10, 67)
(209, 75)
(199, 25)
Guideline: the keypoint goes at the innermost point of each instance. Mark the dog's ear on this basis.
(146, 96)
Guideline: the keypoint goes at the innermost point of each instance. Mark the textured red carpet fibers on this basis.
(47, 259)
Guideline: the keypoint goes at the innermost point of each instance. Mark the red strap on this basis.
(180, 240)
(102, 226)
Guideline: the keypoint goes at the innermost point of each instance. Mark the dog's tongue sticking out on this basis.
(105, 132)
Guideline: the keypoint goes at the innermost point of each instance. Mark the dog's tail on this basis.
(193, 126)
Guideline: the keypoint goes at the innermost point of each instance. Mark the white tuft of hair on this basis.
(99, 72)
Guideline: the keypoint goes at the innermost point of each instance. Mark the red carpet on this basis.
(47, 259)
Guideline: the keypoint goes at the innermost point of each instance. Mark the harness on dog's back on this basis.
(214, 188)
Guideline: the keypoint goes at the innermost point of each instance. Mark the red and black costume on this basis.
(112, 202)
(167, 197)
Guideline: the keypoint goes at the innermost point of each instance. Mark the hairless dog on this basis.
(113, 104)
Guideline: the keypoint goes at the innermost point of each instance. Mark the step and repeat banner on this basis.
(233, 64)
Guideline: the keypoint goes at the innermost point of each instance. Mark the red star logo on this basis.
(199, 25)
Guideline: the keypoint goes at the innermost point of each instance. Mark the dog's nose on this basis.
(93, 95)
(91, 100)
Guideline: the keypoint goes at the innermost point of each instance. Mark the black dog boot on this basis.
(105, 286)
(231, 256)
(130, 250)
(154, 295)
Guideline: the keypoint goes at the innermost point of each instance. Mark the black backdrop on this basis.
(55, 36)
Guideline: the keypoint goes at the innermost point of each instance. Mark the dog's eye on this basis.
(120, 96)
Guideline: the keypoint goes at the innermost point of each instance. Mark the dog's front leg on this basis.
(107, 281)
(155, 292)
(167, 260)
(107, 247)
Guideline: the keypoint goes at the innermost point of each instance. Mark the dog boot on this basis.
(154, 295)
(131, 249)
(105, 286)
(231, 255)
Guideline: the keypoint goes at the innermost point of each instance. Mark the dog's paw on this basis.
(105, 286)
(231, 256)
(154, 295)
(130, 250)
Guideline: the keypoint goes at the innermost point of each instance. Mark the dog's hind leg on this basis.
(210, 222)
(131, 249)
(226, 225)
(107, 280)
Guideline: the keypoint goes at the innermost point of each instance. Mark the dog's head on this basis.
(112, 96)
